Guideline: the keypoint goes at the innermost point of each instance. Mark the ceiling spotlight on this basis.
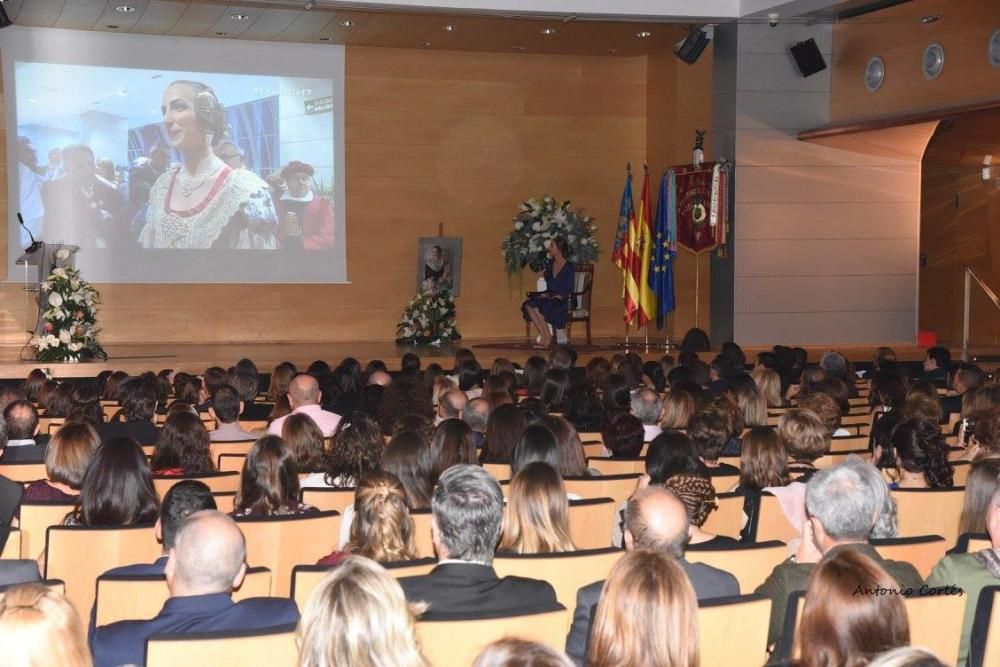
(611, 52)
(424, 45)
(643, 34)
(112, 27)
(309, 5)
(222, 34)
(449, 28)
(125, 9)
(347, 23)
(548, 31)
(325, 39)
(933, 18)
(517, 49)
(239, 17)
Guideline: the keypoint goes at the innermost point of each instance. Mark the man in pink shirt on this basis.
(304, 396)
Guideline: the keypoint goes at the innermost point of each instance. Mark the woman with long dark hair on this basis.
(548, 308)
(503, 429)
(117, 488)
(183, 447)
(269, 484)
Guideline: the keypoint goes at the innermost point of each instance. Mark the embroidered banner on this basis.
(701, 207)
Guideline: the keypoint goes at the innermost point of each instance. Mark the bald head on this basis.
(380, 378)
(303, 390)
(208, 555)
(656, 520)
(452, 403)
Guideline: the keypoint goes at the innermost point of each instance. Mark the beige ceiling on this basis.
(288, 21)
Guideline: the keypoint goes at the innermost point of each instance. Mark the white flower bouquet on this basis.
(69, 324)
(429, 319)
(541, 219)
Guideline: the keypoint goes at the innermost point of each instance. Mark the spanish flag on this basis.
(638, 293)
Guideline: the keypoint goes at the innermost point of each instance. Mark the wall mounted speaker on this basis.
(874, 74)
(933, 62)
(808, 58)
(692, 46)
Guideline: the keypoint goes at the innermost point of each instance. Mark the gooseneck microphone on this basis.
(35, 245)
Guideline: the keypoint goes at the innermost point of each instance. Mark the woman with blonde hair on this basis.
(769, 384)
(647, 616)
(806, 439)
(359, 617)
(678, 406)
(381, 526)
(752, 405)
(537, 516)
(39, 627)
(66, 459)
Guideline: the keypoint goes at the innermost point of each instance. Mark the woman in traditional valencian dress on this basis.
(205, 203)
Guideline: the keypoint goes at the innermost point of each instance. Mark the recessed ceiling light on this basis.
(112, 27)
(611, 52)
(449, 28)
(325, 39)
(125, 9)
(548, 31)
(517, 49)
(643, 34)
(347, 23)
(239, 17)
(221, 33)
(424, 45)
(309, 5)
(933, 18)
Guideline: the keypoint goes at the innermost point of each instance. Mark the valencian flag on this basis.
(626, 211)
(640, 242)
(661, 275)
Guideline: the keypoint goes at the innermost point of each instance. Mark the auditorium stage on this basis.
(136, 358)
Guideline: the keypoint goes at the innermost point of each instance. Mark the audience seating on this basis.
(835, 459)
(422, 531)
(36, 517)
(749, 563)
(241, 447)
(851, 444)
(275, 648)
(134, 597)
(592, 522)
(500, 471)
(567, 572)
(305, 578)
(929, 512)
(231, 462)
(80, 554)
(12, 548)
(325, 499)
(733, 631)
(771, 522)
(725, 483)
(961, 472)
(44, 423)
(281, 542)
(23, 472)
(972, 542)
(618, 487)
(451, 643)
(56, 585)
(218, 482)
(727, 518)
(922, 552)
(225, 501)
(984, 642)
(607, 465)
(254, 426)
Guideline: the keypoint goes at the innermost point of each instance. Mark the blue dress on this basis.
(552, 303)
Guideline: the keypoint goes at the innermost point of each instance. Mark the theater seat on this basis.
(733, 631)
(591, 522)
(217, 482)
(241, 447)
(452, 643)
(23, 472)
(274, 648)
(607, 465)
(305, 578)
(922, 552)
(929, 511)
(617, 487)
(56, 585)
(137, 597)
(422, 533)
(567, 572)
(336, 499)
(984, 642)
(749, 563)
(771, 522)
(500, 471)
(36, 517)
(12, 548)
(971, 542)
(279, 543)
(727, 518)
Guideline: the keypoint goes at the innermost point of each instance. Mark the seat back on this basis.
(749, 563)
(449, 643)
(231, 462)
(279, 543)
(836, 458)
(305, 578)
(727, 518)
(138, 597)
(217, 482)
(23, 472)
(500, 471)
(567, 572)
(849, 444)
(984, 641)
(12, 548)
(225, 502)
(274, 647)
(583, 286)
(962, 469)
(240, 447)
(591, 522)
(724, 483)
(36, 517)
(80, 554)
(613, 466)
(594, 448)
(971, 543)
(422, 533)
(929, 512)
(337, 499)
(922, 552)
(617, 487)
(733, 631)
(771, 521)
(56, 585)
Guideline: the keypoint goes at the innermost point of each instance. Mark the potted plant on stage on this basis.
(69, 323)
(541, 219)
(428, 319)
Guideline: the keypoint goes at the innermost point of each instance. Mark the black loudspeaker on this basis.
(808, 58)
(693, 45)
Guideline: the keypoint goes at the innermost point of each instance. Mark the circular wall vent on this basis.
(874, 73)
(994, 49)
(933, 60)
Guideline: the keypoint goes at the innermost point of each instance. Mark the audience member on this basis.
(452, 444)
(117, 489)
(511, 652)
(503, 430)
(555, 390)
(806, 438)
(698, 495)
(839, 626)
(303, 398)
(535, 444)
(269, 484)
(647, 406)
(623, 436)
(678, 408)
(584, 409)
(476, 414)
(907, 656)
(409, 458)
(226, 409)
(247, 386)
(356, 450)
(537, 515)
(826, 408)
(836, 366)
(86, 407)
(769, 385)
(967, 378)
(183, 447)
(405, 396)
(981, 485)
(32, 384)
(710, 433)
(467, 518)
(752, 406)
(139, 399)
(655, 521)
(572, 459)
(21, 418)
(66, 459)
(921, 456)
(450, 405)
(763, 464)
(305, 440)
(937, 366)
(40, 627)
(205, 564)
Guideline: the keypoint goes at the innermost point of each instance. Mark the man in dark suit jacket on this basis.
(467, 516)
(655, 520)
(139, 400)
(21, 419)
(204, 566)
(937, 365)
(966, 377)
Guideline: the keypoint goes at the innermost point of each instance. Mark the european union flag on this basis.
(661, 271)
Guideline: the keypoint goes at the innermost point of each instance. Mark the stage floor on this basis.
(136, 358)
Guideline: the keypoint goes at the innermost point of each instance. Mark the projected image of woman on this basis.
(205, 203)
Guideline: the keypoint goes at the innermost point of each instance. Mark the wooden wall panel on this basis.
(898, 36)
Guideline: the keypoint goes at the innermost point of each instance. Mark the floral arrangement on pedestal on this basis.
(69, 324)
(541, 219)
(429, 319)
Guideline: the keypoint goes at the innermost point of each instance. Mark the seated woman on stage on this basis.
(549, 307)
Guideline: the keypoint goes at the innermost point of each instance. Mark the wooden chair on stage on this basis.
(578, 306)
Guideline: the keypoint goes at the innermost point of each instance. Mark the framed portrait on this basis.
(439, 263)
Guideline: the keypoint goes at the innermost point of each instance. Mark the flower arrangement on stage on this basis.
(69, 324)
(429, 319)
(541, 219)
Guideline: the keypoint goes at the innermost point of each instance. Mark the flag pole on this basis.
(697, 287)
(646, 329)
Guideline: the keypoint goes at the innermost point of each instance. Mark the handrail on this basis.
(970, 275)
